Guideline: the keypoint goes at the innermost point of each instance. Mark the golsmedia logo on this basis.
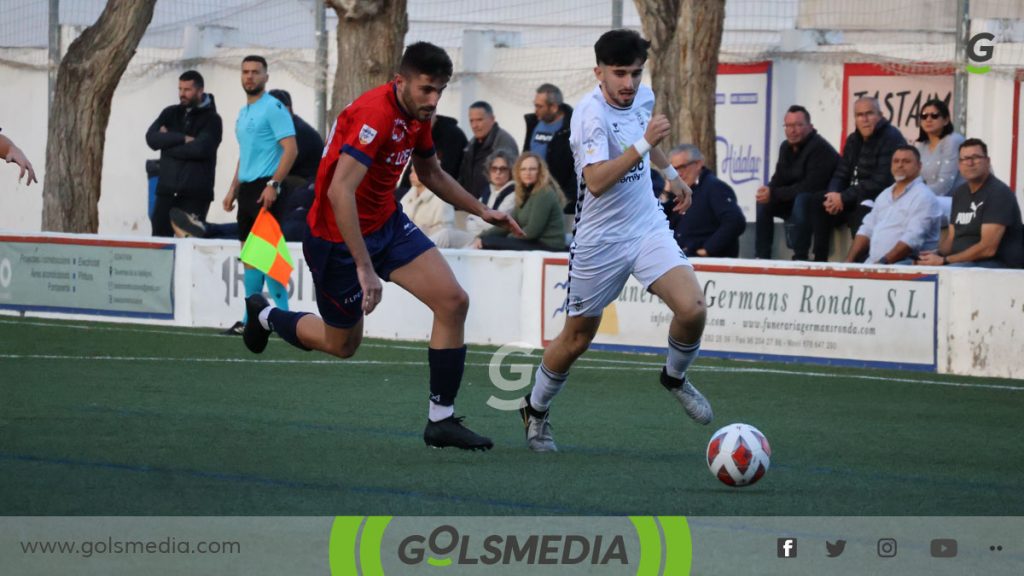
(445, 546)
(980, 50)
(595, 546)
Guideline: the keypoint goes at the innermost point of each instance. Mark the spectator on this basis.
(487, 137)
(428, 212)
(939, 146)
(266, 152)
(538, 210)
(502, 191)
(13, 154)
(805, 166)
(449, 141)
(985, 228)
(862, 173)
(905, 220)
(310, 147)
(714, 222)
(547, 134)
(187, 136)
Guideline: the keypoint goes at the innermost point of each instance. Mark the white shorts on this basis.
(597, 274)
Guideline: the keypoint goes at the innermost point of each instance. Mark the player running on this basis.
(359, 236)
(620, 230)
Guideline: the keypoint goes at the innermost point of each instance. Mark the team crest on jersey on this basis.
(366, 135)
(399, 130)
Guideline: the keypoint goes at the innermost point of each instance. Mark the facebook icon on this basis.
(787, 547)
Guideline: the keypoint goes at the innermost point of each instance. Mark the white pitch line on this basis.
(584, 363)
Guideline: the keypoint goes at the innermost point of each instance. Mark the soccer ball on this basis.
(738, 454)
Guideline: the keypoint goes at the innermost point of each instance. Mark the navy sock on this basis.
(446, 368)
(285, 324)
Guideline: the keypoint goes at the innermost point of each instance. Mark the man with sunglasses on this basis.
(985, 229)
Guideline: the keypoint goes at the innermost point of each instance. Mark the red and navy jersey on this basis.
(378, 133)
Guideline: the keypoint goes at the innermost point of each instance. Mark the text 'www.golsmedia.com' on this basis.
(89, 548)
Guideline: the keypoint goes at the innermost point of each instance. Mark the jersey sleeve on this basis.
(593, 138)
(281, 123)
(364, 134)
(424, 146)
(645, 100)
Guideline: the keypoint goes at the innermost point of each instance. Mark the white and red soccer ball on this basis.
(738, 454)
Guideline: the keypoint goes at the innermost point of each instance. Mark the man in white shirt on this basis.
(621, 230)
(906, 217)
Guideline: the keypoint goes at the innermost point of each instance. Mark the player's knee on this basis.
(693, 314)
(346, 348)
(455, 305)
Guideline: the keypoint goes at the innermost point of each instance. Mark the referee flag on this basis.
(265, 249)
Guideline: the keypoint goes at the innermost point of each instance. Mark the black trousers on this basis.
(161, 219)
(825, 223)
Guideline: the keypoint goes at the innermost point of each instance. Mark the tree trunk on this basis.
(86, 80)
(685, 36)
(371, 34)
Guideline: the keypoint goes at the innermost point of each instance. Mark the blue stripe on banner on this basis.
(743, 98)
(357, 154)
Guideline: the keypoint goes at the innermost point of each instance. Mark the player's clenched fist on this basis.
(657, 129)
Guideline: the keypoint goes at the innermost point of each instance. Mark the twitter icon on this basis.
(835, 549)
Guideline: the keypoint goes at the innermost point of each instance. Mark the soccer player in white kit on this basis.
(621, 230)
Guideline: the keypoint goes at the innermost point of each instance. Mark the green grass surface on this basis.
(106, 419)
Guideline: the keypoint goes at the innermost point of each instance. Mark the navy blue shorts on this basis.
(339, 297)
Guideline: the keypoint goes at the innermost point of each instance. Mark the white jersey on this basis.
(599, 132)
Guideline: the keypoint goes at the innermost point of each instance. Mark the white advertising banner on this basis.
(847, 317)
(742, 116)
(899, 96)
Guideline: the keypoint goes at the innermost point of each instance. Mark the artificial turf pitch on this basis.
(101, 419)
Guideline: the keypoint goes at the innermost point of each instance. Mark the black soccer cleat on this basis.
(254, 334)
(451, 432)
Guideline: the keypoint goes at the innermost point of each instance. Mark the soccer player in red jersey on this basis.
(359, 235)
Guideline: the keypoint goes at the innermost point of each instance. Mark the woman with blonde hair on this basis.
(538, 209)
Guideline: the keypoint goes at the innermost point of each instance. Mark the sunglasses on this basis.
(930, 116)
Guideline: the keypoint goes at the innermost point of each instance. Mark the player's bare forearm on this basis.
(600, 177)
(342, 195)
(445, 187)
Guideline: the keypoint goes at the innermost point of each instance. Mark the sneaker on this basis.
(538, 428)
(254, 334)
(695, 404)
(187, 225)
(237, 329)
(451, 432)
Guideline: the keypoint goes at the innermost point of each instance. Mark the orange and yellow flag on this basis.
(265, 249)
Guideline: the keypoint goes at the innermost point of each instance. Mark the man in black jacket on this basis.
(806, 163)
(714, 222)
(547, 134)
(861, 175)
(187, 136)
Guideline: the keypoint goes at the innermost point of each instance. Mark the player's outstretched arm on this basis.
(601, 176)
(342, 193)
(444, 186)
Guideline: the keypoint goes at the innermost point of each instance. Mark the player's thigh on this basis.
(680, 291)
(429, 278)
(665, 271)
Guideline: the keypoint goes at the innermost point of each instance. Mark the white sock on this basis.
(546, 385)
(439, 412)
(680, 356)
(265, 317)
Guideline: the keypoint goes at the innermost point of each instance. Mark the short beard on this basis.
(255, 91)
(900, 178)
